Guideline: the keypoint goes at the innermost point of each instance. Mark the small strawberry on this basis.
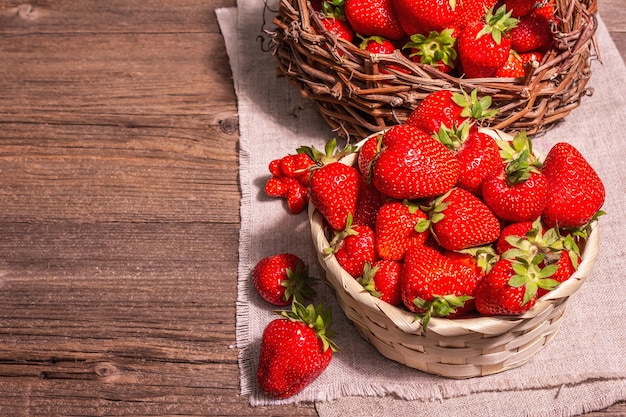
(469, 11)
(397, 229)
(353, 248)
(484, 45)
(512, 68)
(411, 165)
(368, 151)
(295, 350)
(368, 203)
(374, 18)
(438, 49)
(460, 220)
(380, 45)
(446, 108)
(547, 9)
(510, 288)
(531, 33)
(382, 280)
(425, 15)
(477, 152)
(281, 278)
(575, 191)
(333, 186)
(520, 7)
(290, 189)
(340, 28)
(434, 286)
(516, 230)
(519, 192)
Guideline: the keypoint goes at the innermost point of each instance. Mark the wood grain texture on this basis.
(119, 213)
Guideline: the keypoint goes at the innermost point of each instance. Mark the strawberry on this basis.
(340, 28)
(565, 268)
(438, 49)
(484, 45)
(295, 350)
(374, 17)
(446, 108)
(477, 152)
(477, 261)
(333, 186)
(575, 191)
(520, 7)
(382, 280)
(516, 230)
(434, 286)
(512, 68)
(469, 11)
(460, 220)
(353, 248)
(547, 9)
(411, 165)
(368, 151)
(380, 45)
(281, 278)
(531, 33)
(368, 203)
(427, 15)
(510, 287)
(519, 192)
(397, 229)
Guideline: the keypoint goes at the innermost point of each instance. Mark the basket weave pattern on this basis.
(459, 348)
(358, 93)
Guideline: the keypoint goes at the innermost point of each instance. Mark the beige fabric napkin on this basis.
(584, 366)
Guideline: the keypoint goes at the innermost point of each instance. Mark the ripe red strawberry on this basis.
(281, 278)
(547, 9)
(380, 45)
(519, 192)
(510, 288)
(469, 11)
(531, 33)
(398, 228)
(484, 45)
(354, 247)
(333, 186)
(460, 220)
(412, 165)
(512, 68)
(434, 286)
(368, 203)
(517, 230)
(477, 152)
(368, 151)
(295, 350)
(338, 27)
(382, 280)
(565, 268)
(374, 18)
(426, 15)
(520, 7)
(575, 191)
(438, 49)
(449, 109)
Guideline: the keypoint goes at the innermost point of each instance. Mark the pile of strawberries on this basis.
(444, 219)
(469, 38)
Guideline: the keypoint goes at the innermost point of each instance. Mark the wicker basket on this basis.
(459, 348)
(357, 93)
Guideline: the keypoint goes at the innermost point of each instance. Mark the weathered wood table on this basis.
(119, 210)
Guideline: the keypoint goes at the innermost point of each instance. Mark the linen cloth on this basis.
(582, 369)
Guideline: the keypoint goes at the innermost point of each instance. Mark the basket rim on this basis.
(406, 320)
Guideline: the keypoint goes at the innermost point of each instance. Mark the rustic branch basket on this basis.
(453, 348)
(359, 93)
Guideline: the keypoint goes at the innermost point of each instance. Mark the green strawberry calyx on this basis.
(477, 108)
(439, 306)
(340, 236)
(531, 276)
(436, 48)
(498, 24)
(334, 9)
(318, 318)
(331, 153)
(298, 283)
(519, 159)
(367, 280)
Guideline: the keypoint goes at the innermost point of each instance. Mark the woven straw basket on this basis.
(357, 93)
(459, 348)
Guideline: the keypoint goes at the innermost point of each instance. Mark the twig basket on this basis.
(453, 348)
(359, 93)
